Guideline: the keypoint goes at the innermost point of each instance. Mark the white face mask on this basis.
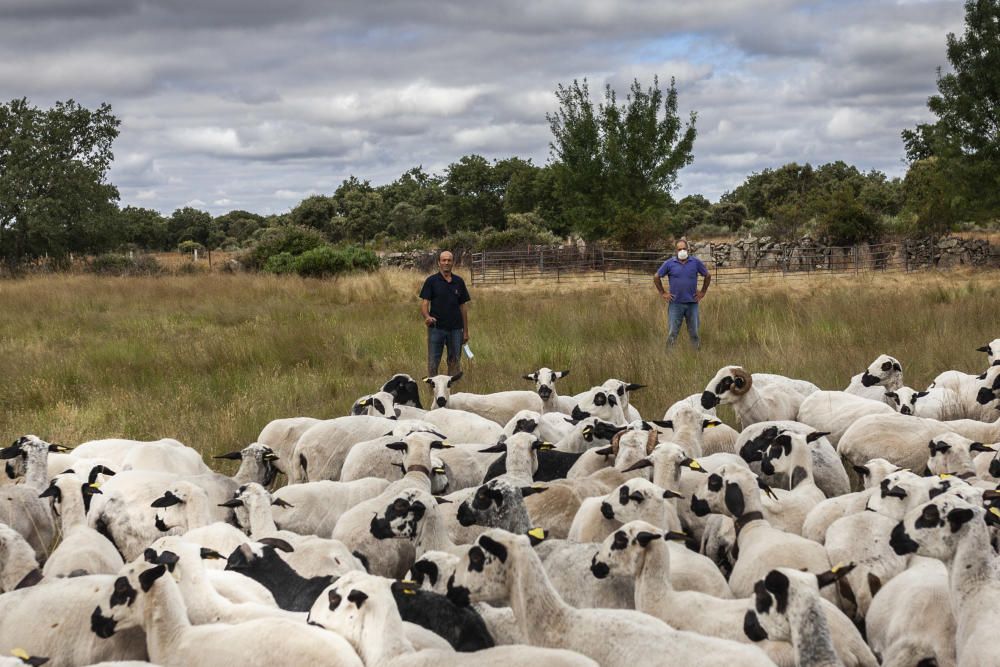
(682, 254)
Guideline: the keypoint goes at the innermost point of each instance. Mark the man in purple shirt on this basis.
(683, 297)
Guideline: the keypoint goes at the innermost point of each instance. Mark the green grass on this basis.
(210, 359)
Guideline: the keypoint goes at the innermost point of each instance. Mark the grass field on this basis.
(211, 359)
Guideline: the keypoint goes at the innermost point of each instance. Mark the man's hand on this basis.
(430, 321)
(465, 336)
(699, 296)
(667, 296)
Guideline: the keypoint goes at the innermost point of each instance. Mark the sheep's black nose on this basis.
(441, 401)
(709, 400)
(607, 511)
(751, 627)
(101, 625)
(599, 569)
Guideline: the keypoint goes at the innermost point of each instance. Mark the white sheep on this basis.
(902, 439)
(82, 550)
(20, 506)
(545, 386)
(884, 373)
(372, 459)
(281, 435)
(320, 451)
(788, 607)
(952, 454)
(311, 556)
(501, 566)
(718, 438)
(623, 390)
(790, 455)
(956, 532)
(733, 491)
(313, 508)
(938, 403)
(758, 397)
(54, 620)
(820, 517)
(497, 407)
(828, 470)
(833, 412)
(164, 455)
(641, 550)
(362, 608)
(18, 564)
(152, 601)
(978, 394)
(903, 640)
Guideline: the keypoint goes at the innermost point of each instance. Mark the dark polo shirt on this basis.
(445, 298)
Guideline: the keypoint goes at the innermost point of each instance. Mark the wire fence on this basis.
(596, 263)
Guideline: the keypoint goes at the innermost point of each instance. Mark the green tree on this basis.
(966, 136)
(619, 157)
(53, 195)
(728, 214)
(144, 227)
(473, 195)
(191, 224)
(239, 225)
(316, 212)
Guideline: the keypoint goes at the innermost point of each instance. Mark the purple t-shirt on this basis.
(683, 277)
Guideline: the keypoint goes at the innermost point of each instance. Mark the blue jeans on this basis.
(437, 340)
(678, 312)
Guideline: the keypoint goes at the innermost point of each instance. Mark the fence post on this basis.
(857, 260)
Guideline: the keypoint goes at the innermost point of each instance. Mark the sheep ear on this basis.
(168, 499)
(536, 536)
(33, 578)
(542, 445)
(529, 490)
(763, 486)
(959, 517)
(645, 538)
(441, 500)
(232, 456)
(493, 547)
(455, 378)
(984, 348)
(874, 584)
(734, 499)
(891, 394)
(232, 503)
(633, 386)
(100, 470)
(561, 374)
(863, 471)
(605, 451)
(428, 380)
(440, 444)
(211, 554)
(676, 536)
(667, 493)
(10, 452)
(641, 463)
(710, 423)
(277, 543)
(834, 574)
(532, 377)
(147, 578)
(51, 492)
(816, 435)
(398, 446)
(980, 447)
(664, 423)
(494, 449)
(920, 394)
(278, 502)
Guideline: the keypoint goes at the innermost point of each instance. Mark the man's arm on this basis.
(425, 310)
(465, 322)
(704, 287)
(659, 288)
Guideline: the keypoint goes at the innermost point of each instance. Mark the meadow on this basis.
(210, 359)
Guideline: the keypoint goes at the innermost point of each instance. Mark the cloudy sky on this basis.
(256, 104)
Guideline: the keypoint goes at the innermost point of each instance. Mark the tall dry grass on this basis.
(211, 359)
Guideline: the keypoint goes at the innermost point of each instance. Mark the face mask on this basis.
(682, 254)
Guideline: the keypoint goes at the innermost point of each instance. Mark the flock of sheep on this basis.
(852, 527)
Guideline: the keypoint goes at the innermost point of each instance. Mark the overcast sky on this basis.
(256, 104)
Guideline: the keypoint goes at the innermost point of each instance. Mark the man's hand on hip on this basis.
(667, 296)
(699, 296)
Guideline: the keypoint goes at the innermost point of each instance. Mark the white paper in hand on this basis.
(468, 350)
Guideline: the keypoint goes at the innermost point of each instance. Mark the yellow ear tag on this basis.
(438, 471)
(408, 582)
(944, 475)
(694, 465)
(994, 511)
(20, 654)
(711, 424)
(95, 485)
(836, 567)
(537, 533)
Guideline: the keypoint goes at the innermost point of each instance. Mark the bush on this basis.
(708, 230)
(517, 236)
(188, 247)
(290, 239)
(147, 265)
(322, 262)
(460, 243)
(112, 264)
(283, 262)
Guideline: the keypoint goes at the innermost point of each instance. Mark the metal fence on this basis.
(596, 263)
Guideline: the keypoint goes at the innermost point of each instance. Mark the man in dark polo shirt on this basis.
(443, 299)
(683, 296)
